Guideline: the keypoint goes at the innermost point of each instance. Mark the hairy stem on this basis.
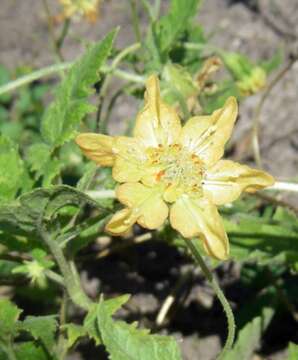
(71, 280)
(27, 79)
(220, 295)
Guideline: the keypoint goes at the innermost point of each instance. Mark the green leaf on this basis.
(6, 268)
(25, 215)
(273, 63)
(63, 116)
(9, 314)
(38, 156)
(29, 350)
(90, 322)
(249, 336)
(41, 328)
(172, 25)
(89, 173)
(126, 342)
(265, 240)
(293, 351)
(74, 332)
(165, 33)
(11, 169)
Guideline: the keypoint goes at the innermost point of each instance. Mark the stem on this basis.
(52, 275)
(27, 79)
(55, 43)
(8, 349)
(149, 9)
(63, 35)
(71, 281)
(157, 8)
(135, 20)
(220, 295)
(284, 186)
(257, 114)
(102, 127)
(101, 194)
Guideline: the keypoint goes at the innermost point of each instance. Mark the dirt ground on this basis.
(235, 25)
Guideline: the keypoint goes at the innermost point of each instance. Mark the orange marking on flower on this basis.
(159, 175)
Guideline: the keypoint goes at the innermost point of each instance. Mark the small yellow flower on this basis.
(80, 8)
(169, 170)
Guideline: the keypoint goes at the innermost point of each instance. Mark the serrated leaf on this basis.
(293, 351)
(40, 161)
(29, 350)
(89, 173)
(249, 337)
(41, 328)
(165, 32)
(63, 116)
(90, 322)
(9, 314)
(25, 214)
(265, 240)
(38, 155)
(74, 332)
(125, 342)
(11, 169)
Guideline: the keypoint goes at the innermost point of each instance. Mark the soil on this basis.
(198, 322)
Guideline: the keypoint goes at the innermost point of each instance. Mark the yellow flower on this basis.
(80, 8)
(169, 170)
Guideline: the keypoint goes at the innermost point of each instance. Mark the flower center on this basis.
(175, 166)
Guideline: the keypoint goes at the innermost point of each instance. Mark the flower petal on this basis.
(121, 222)
(130, 159)
(157, 123)
(199, 217)
(206, 135)
(97, 147)
(226, 180)
(146, 203)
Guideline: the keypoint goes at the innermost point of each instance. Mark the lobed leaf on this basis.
(125, 342)
(41, 328)
(63, 116)
(11, 169)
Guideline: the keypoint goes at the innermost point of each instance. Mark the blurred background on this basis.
(257, 28)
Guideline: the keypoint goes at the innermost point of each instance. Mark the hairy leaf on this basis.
(41, 328)
(111, 306)
(166, 31)
(30, 350)
(125, 342)
(9, 314)
(63, 116)
(26, 214)
(11, 169)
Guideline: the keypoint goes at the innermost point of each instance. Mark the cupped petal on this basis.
(199, 217)
(146, 203)
(130, 159)
(206, 136)
(97, 147)
(157, 123)
(121, 222)
(226, 180)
